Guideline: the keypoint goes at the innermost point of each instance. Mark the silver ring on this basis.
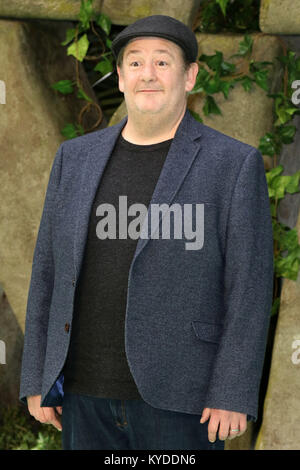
(234, 430)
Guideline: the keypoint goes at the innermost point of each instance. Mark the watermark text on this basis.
(2, 92)
(2, 352)
(183, 221)
(296, 95)
(296, 354)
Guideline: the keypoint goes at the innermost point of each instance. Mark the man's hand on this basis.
(46, 415)
(228, 423)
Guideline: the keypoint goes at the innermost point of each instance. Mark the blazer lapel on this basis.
(182, 152)
(181, 155)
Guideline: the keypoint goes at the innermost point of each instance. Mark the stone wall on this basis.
(281, 417)
(280, 16)
(120, 12)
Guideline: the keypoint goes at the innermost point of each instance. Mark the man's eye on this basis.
(162, 62)
(135, 62)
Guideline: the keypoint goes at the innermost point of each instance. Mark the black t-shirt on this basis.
(96, 363)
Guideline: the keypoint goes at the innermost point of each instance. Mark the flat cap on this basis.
(162, 26)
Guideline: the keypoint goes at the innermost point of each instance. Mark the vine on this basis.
(98, 27)
(238, 16)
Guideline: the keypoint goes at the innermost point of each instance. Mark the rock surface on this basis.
(280, 428)
(246, 116)
(12, 336)
(280, 16)
(122, 13)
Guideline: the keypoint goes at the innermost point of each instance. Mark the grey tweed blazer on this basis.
(196, 320)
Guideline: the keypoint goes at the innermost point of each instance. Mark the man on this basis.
(168, 335)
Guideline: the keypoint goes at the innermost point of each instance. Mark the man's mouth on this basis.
(148, 91)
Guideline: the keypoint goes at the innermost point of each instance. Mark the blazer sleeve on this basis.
(248, 292)
(40, 292)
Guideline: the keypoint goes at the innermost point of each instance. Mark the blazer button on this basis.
(67, 327)
(73, 282)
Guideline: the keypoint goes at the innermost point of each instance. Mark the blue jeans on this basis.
(102, 423)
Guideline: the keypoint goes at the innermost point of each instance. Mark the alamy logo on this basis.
(2, 352)
(2, 92)
(296, 95)
(183, 222)
(296, 354)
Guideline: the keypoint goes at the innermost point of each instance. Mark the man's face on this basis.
(152, 76)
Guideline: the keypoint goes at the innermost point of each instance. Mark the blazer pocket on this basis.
(210, 332)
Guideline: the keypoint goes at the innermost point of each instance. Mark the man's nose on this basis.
(148, 71)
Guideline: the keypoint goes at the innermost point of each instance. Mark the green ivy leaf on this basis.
(291, 110)
(79, 49)
(70, 131)
(261, 78)
(104, 22)
(227, 68)
(289, 240)
(288, 266)
(245, 46)
(216, 63)
(284, 108)
(108, 43)
(213, 61)
(82, 95)
(271, 175)
(202, 77)
(247, 83)
(71, 32)
(285, 114)
(223, 5)
(279, 184)
(287, 134)
(225, 86)
(210, 106)
(284, 184)
(85, 13)
(267, 144)
(292, 186)
(213, 85)
(63, 86)
(104, 66)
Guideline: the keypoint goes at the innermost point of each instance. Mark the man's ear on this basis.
(191, 76)
(121, 83)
